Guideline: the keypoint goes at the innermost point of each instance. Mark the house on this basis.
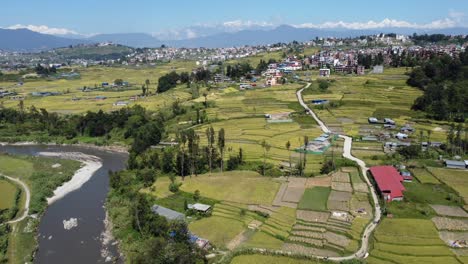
(401, 136)
(406, 176)
(378, 69)
(373, 120)
(389, 182)
(167, 213)
(389, 121)
(456, 164)
(203, 208)
(407, 129)
(271, 81)
(324, 72)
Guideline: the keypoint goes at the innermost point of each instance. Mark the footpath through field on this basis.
(361, 253)
(26, 204)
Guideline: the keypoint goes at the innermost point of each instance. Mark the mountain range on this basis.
(26, 40)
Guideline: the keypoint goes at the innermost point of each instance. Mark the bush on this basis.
(174, 187)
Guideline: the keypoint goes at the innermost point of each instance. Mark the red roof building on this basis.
(389, 182)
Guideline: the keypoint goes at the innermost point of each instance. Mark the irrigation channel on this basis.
(87, 240)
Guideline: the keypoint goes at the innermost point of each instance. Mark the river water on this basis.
(81, 244)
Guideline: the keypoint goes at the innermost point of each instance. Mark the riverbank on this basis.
(81, 176)
(111, 148)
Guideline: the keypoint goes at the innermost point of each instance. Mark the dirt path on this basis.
(236, 241)
(348, 141)
(362, 251)
(26, 204)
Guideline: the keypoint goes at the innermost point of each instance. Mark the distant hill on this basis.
(27, 40)
(287, 33)
(137, 40)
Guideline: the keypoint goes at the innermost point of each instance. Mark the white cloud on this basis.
(387, 23)
(45, 29)
(240, 24)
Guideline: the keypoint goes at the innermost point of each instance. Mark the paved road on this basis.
(28, 199)
(361, 253)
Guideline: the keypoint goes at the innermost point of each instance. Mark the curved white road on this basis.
(361, 253)
(26, 204)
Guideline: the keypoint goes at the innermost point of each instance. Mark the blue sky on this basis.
(153, 16)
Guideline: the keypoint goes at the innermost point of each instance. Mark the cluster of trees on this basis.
(189, 157)
(171, 79)
(44, 70)
(238, 70)
(146, 236)
(444, 81)
(263, 65)
(368, 60)
(435, 38)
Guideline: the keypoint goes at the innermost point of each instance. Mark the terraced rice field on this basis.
(94, 76)
(409, 241)
(424, 176)
(226, 222)
(457, 179)
(243, 187)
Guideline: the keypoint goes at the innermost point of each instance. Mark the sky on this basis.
(174, 17)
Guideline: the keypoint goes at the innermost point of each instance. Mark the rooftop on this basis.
(388, 180)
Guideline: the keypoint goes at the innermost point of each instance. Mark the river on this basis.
(82, 244)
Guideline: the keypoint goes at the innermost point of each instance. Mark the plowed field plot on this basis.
(342, 186)
(450, 224)
(318, 181)
(339, 196)
(340, 177)
(312, 216)
(445, 210)
(449, 237)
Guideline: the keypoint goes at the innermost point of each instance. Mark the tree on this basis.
(221, 146)
(196, 195)
(182, 142)
(118, 82)
(143, 90)
(410, 152)
(147, 83)
(210, 135)
(323, 85)
(288, 147)
(266, 148)
(146, 176)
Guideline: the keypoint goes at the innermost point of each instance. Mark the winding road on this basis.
(28, 199)
(362, 251)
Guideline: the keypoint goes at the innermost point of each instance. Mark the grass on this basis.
(456, 179)
(265, 259)
(415, 232)
(219, 230)
(176, 201)
(263, 240)
(280, 223)
(7, 194)
(315, 199)
(235, 186)
(409, 241)
(418, 196)
(424, 176)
